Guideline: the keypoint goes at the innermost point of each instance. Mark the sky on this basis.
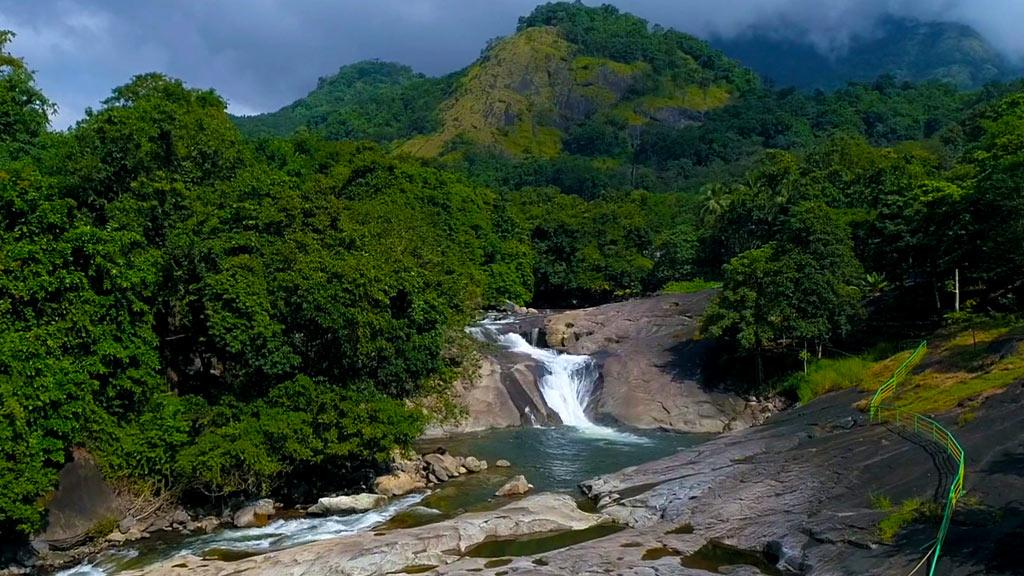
(263, 54)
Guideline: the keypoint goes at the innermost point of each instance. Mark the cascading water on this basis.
(568, 383)
(277, 535)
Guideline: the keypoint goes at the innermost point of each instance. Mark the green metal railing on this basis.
(880, 412)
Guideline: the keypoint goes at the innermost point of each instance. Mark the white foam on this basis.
(568, 386)
(277, 535)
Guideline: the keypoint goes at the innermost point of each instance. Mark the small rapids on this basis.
(277, 535)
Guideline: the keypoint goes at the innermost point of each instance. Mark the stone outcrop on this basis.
(83, 502)
(418, 472)
(505, 391)
(651, 364)
(347, 504)
(398, 484)
(517, 486)
(370, 554)
(255, 514)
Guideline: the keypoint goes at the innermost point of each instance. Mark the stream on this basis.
(554, 459)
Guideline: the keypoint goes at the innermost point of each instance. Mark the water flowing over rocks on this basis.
(254, 514)
(651, 364)
(372, 554)
(347, 504)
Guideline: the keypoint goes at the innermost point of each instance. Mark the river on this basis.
(552, 458)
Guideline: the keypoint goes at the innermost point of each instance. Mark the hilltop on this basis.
(570, 76)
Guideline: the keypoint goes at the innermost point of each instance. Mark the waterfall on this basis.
(568, 383)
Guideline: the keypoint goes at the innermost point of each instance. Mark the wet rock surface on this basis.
(367, 554)
(790, 497)
(651, 364)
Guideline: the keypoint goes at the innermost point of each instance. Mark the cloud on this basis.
(262, 54)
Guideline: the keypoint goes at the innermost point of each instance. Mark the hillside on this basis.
(369, 100)
(908, 49)
(565, 66)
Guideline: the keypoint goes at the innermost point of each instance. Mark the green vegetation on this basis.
(899, 517)
(964, 365)
(689, 286)
(371, 100)
(229, 317)
(829, 375)
(223, 318)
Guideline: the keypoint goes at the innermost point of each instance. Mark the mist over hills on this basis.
(908, 49)
(561, 72)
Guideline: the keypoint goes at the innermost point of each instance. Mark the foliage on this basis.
(224, 318)
(828, 375)
(899, 517)
(370, 100)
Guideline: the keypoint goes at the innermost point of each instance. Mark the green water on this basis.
(540, 544)
(558, 459)
(715, 556)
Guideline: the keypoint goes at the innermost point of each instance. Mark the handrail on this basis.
(880, 412)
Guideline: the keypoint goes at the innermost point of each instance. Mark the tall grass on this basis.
(829, 375)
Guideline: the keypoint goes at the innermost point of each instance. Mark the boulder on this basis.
(254, 514)
(472, 464)
(158, 524)
(126, 524)
(208, 524)
(347, 504)
(398, 484)
(502, 463)
(651, 363)
(517, 486)
(181, 517)
(504, 392)
(82, 502)
(445, 462)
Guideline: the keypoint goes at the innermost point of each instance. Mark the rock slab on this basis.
(347, 504)
(369, 554)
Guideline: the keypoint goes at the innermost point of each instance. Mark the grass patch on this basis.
(829, 375)
(966, 365)
(689, 286)
(899, 517)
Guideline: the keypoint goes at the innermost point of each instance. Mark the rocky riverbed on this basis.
(791, 496)
(649, 358)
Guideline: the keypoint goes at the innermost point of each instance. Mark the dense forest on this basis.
(228, 308)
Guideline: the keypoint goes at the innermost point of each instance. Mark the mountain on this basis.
(567, 65)
(908, 49)
(369, 100)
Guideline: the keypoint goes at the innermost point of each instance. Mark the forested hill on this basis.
(566, 66)
(910, 50)
(371, 100)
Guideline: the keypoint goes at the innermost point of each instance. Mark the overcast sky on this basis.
(263, 54)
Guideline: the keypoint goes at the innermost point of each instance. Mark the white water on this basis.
(568, 384)
(277, 535)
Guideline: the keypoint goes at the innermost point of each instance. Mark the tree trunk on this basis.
(956, 289)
